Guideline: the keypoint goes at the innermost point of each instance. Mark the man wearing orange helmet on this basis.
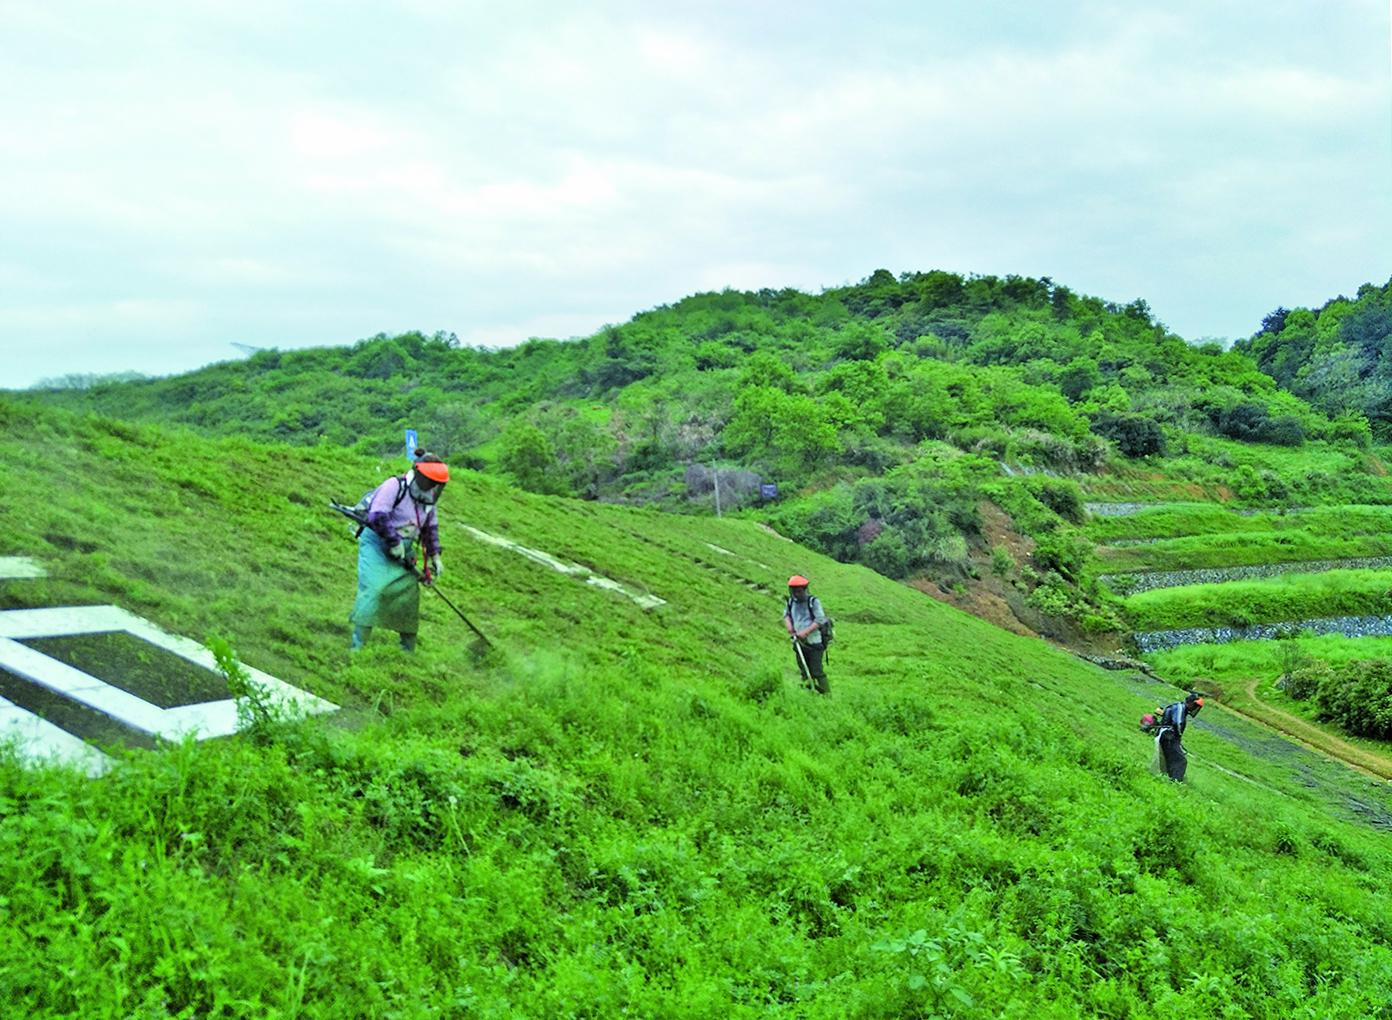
(804, 618)
(400, 515)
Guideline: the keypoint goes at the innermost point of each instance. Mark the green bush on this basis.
(1358, 697)
(1305, 681)
(1064, 552)
(1060, 495)
(888, 554)
(1135, 435)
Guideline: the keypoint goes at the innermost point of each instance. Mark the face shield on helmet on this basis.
(426, 481)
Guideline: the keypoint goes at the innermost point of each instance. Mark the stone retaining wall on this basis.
(1349, 626)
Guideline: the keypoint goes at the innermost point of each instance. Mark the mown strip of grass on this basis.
(1239, 549)
(1290, 597)
(1180, 520)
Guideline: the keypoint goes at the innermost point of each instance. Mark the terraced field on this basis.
(1230, 600)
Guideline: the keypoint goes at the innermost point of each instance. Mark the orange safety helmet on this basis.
(426, 479)
(798, 581)
(436, 471)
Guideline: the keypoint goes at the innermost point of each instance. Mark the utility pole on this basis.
(716, 473)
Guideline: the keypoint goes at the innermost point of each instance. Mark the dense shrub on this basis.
(1358, 697)
(1303, 681)
(1353, 428)
(1063, 552)
(1060, 495)
(1252, 422)
(1062, 453)
(887, 554)
(1135, 435)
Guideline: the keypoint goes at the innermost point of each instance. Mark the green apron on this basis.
(388, 593)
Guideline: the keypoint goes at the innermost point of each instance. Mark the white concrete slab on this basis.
(63, 679)
(573, 569)
(727, 552)
(69, 621)
(62, 621)
(204, 720)
(20, 568)
(36, 739)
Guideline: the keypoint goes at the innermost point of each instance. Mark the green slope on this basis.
(628, 811)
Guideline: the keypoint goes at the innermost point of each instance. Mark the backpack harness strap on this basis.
(400, 495)
(812, 604)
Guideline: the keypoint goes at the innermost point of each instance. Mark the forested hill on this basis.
(784, 382)
(891, 415)
(1337, 356)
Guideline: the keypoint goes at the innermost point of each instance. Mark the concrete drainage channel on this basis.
(71, 675)
(587, 575)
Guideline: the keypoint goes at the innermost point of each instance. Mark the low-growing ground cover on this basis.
(630, 812)
(1289, 597)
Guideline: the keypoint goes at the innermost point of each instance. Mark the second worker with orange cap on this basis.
(807, 624)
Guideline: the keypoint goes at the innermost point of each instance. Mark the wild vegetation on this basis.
(629, 811)
(1337, 356)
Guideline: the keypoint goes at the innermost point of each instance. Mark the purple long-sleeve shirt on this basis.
(404, 520)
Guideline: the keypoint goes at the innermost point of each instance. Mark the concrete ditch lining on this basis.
(587, 575)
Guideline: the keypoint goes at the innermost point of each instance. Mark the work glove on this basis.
(396, 551)
(437, 565)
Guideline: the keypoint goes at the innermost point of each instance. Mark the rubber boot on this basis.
(408, 642)
(360, 636)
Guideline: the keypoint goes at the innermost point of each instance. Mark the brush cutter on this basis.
(425, 579)
(483, 645)
(802, 659)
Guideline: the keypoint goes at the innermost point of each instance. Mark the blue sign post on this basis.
(411, 445)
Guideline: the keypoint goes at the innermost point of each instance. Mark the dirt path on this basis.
(1312, 738)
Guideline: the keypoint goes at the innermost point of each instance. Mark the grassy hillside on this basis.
(630, 812)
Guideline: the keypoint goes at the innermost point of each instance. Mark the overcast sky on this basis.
(179, 177)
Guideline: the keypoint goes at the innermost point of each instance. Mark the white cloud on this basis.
(277, 174)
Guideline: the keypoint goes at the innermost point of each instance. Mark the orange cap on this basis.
(798, 581)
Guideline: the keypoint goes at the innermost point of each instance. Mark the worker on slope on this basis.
(400, 517)
(805, 619)
(1169, 735)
